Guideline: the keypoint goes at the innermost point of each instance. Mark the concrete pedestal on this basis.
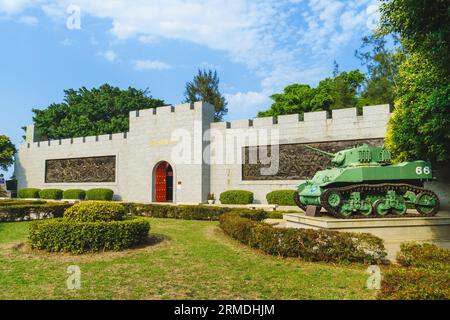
(392, 230)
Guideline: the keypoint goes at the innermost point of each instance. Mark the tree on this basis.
(339, 91)
(382, 69)
(7, 152)
(205, 87)
(87, 112)
(420, 125)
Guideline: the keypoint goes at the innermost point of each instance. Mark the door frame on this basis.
(153, 187)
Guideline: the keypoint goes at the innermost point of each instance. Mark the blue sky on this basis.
(257, 47)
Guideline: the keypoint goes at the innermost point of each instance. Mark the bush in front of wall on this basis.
(236, 197)
(74, 194)
(281, 197)
(28, 193)
(17, 211)
(63, 235)
(91, 211)
(51, 194)
(100, 194)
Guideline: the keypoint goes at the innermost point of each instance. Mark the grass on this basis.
(187, 260)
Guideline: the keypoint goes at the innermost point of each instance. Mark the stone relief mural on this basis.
(76, 170)
(297, 162)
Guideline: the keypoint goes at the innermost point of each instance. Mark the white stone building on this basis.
(178, 154)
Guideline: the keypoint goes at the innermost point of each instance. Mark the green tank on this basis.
(365, 183)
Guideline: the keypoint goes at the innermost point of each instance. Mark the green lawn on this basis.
(187, 260)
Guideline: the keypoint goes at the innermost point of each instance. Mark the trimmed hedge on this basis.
(236, 197)
(423, 274)
(281, 197)
(62, 235)
(307, 244)
(53, 194)
(100, 194)
(18, 212)
(74, 194)
(189, 212)
(28, 193)
(13, 202)
(91, 211)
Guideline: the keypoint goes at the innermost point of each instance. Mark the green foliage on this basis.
(92, 112)
(92, 211)
(77, 237)
(236, 197)
(424, 27)
(54, 194)
(187, 212)
(415, 284)
(307, 244)
(424, 274)
(100, 194)
(75, 194)
(205, 87)
(275, 215)
(339, 91)
(382, 67)
(11, 202)
(29, 193)
(281, 197)
(7, 152)
(420, 126)
(21, 210)
(423, 256)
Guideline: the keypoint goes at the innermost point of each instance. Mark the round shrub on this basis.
(54, 194)
(281, 197)
(92, 211)
(236, 197)
(77, 237)
(100, 194)
(74, 194)
(28, 193)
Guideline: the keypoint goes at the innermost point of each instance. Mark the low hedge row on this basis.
(189, 212)
(307, 244)
(236, 197)
(54, 194)
(12, 202)
(17, 212)
(74, 194)
(62, 235)
(424, 274)
(281, 197)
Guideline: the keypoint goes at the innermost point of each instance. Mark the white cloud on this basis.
(244, 103)
(109, 55)
(14, 6)
(28, 20)
(66, 42)
(142, 65)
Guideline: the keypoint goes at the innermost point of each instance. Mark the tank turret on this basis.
(365, 183)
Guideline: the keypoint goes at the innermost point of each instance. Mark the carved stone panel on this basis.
(79, 170)
(297, 162)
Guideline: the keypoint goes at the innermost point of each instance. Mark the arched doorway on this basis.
(163, 182)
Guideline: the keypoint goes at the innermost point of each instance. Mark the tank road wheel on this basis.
(427, 204)
(345, 211)
(297, 201)
(380, 207)
(366, 208)
(334, 199)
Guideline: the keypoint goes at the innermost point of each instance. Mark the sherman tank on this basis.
(365, 183)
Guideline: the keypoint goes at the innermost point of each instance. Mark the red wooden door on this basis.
(160, 182)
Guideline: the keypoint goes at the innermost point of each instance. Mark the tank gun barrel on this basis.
(328, 154)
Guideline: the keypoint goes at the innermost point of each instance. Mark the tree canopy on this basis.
(339, 91)
(7, 151)
(420, 125)
(91, 112)
(205, 87)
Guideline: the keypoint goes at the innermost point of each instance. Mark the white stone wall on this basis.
(156, 134)
(344, 124)
(148, 142)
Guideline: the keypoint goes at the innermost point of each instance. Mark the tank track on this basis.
(401, 188)
(297, 201)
